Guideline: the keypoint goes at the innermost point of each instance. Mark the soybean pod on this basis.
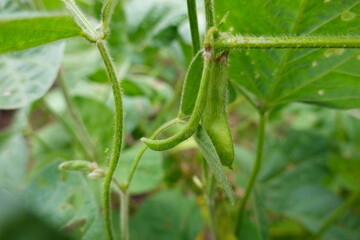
(191, 126)
(214, 119)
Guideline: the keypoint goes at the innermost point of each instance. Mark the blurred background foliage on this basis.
(312, 157)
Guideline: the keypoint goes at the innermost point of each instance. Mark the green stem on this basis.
(80, 18)
(337, 213)
(124, 214)
(106, 15)
(255, 170)
(143, 149)
(194, 27)
(210, 14)
(192, 124)
(81, 129)
(118, 134)
(233, 42)
(124, 210)
(210, 191)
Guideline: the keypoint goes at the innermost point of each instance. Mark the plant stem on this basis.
(118, 134)
(81, 19)
(210, 14)
(143, 149)
(337, 213)
(194, 27)
(124, 210)
(231, 42)
(255, 170)
(124, 214)
(210, 202)
(84, 135)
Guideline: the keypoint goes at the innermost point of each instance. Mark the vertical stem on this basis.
(210, 14)
(255, 170)
(194, 27)
(337, 213)
(118, 134)
(210, 202)
(124, 214)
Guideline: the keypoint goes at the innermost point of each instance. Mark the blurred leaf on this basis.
(22, 31)
(17, 222)
(149, 172)
(212, 159)
(328, 77)
(13, 162)
(192, 84)
(147, 19)
(166, 215)
(63, 199)
(27, 75)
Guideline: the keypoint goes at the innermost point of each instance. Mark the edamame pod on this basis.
(214, 119)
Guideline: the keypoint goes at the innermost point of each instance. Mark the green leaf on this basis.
(13, 162)
(166, 215)
(191, 84)
(14, 214)
(147, 19)
(327, 77)
(27, 75)
(149, 172)
(213, 160)
(19, 31)
(66, 201)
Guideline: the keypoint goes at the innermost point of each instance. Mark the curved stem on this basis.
(194, 26)
(337, 213)
(194, 120)
(231, 42)
(255, 170)
(118, 134)
(143, 149)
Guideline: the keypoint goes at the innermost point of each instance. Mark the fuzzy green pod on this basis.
(78, 165)
(214, 118)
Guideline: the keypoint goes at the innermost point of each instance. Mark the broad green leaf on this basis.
(149, 172)
(13, 162)
(20, 32)
(292, 179)
(66, 201)
(212, 159)
(327, 77)
(166, 215)
(14, 216)
(27, 75)
(191, 84)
